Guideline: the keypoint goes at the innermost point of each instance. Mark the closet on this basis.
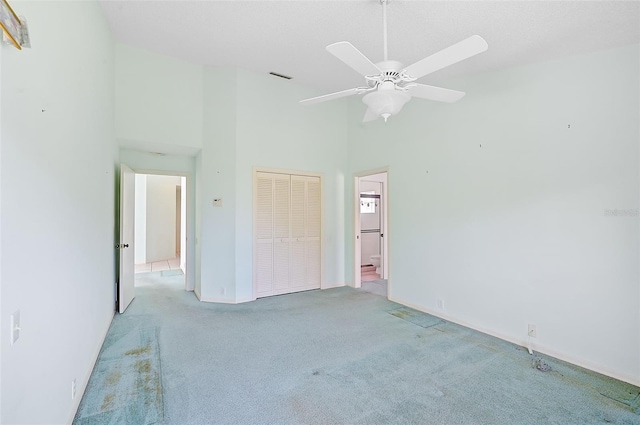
(287, 230)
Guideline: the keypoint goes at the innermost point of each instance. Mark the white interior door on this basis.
(126, 289)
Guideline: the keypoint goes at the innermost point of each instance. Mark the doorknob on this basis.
(126, 245)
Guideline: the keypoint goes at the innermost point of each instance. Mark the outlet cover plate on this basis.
(532, 331)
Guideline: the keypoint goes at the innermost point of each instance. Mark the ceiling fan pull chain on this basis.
(384, 26)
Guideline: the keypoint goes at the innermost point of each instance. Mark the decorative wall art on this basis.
(11, 25)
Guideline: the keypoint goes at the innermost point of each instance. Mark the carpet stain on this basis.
(143, 366)
(113, 378)
(541, 365)
(107, 404)
(419, 318)
(138, 351)
(125, 386)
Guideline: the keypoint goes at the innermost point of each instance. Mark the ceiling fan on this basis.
(389, 84)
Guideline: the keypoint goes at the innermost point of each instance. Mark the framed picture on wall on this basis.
(10, 24)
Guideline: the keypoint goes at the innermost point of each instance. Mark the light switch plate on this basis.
(217, 202)
(15, 327)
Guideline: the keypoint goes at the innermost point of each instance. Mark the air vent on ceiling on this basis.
(286, 77)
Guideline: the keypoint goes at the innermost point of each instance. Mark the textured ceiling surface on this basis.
(289, 37)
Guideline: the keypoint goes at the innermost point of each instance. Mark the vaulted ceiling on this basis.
(289, 37)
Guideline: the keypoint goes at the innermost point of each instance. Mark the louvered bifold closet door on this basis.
(264, 234)
(298, 233)
(281, 240)
(313, 229)
(287, 231)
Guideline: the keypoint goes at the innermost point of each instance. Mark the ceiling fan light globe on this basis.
(386, 103)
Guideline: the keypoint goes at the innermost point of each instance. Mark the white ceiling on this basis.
(289, 37)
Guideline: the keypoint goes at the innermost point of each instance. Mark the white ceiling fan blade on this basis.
(331, 96)
(435, 93)
(462, 50)
(370, 116)
(353, 57)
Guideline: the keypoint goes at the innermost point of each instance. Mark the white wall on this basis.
(58, 163)
(161, 217)
(159, 102)
(140, 239)
(515, 232)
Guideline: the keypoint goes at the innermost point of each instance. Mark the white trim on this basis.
(226, 300)
(81, 386)
(544, 349)
(286, 172)
(337, 285)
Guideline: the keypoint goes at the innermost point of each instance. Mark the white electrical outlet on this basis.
(223, 291)
(73, 389)
(440, 304)
(15, 327)
(532, 331)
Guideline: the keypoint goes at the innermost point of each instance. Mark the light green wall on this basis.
(497, 207)
(275, 131)
(232, 121)
(507, 234)
(159, 101)
(217, 175)
(256, 121)
(58, 179)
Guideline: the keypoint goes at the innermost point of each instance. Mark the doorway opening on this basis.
(371, 248)
(160, 224)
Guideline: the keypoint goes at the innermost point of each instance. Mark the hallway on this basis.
(158, 266)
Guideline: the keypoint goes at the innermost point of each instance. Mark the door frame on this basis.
(190, 251)
(357, 238)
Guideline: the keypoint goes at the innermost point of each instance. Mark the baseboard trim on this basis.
(338, 285)
(82, 387)
(226, 300)
(541, 348)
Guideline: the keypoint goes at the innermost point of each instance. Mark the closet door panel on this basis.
(313, 225)
(298, 219)
(287, 234)
(264, 234)
(313, 228)
(281, 212)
